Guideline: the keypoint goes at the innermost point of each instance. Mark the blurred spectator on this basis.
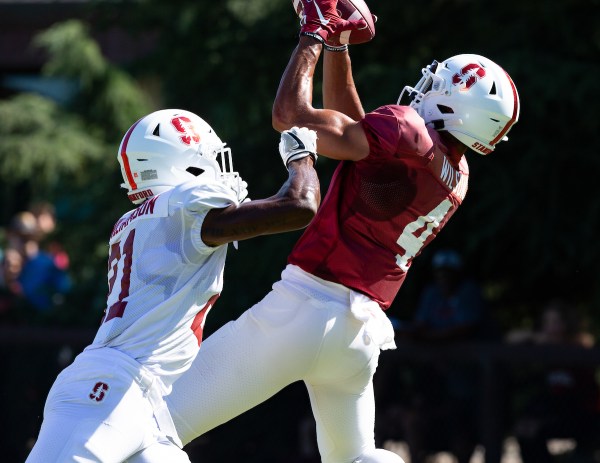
(562, 400)
(23, 234)
(559, 323)
(10, 288)
(451, 307)
(45, 215)
(30, 276)
(32, 284)
(441, 413)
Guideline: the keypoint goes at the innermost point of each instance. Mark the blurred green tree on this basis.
(66, 154)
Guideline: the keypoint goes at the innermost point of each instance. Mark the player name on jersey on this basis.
(144, 209)
(454, 179)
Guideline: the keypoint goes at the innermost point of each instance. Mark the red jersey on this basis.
(381, 211)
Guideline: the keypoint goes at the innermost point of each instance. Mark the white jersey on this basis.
(163, 279)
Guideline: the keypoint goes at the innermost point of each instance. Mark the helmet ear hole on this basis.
(445, 109)
(195, 171)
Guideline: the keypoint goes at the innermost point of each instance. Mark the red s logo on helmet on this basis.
(184, 125)
(467, 76)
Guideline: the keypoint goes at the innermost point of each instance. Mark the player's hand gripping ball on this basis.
(355, 11)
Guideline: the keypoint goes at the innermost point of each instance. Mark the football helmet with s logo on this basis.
(469, 96)
(169, 147)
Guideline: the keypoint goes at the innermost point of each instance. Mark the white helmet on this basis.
(469, 96)
(169, 147)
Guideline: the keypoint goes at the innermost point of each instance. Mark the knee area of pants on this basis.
(379, 456)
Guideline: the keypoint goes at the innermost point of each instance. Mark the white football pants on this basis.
(101, 409)
(304, 329)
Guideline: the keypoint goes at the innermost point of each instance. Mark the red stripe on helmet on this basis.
(513, 118)
(125, 159)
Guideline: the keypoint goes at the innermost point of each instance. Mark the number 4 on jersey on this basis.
(415, 234)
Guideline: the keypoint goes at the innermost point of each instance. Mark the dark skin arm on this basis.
(292, 208)
(339, 135)
(339, 91)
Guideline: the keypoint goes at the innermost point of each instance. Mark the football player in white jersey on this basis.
(165, 271)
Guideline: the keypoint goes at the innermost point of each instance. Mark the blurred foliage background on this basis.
(527, 228)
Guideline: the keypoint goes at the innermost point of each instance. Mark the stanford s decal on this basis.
(184, 126)
(99, 391)
(467, 76)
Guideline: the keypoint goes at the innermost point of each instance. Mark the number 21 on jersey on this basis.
(415, 234)
(119, 267)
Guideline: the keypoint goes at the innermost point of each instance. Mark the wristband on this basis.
(314, 35)
(303, 155)
(341, 48)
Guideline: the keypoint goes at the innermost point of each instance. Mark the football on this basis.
(350, 10)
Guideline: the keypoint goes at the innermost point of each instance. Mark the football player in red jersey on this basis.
(402, 175)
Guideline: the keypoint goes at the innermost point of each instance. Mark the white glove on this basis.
(239, 186)
(297, 143)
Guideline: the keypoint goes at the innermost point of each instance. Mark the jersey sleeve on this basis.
(397, 131)
(196, 200)
(198, 197)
